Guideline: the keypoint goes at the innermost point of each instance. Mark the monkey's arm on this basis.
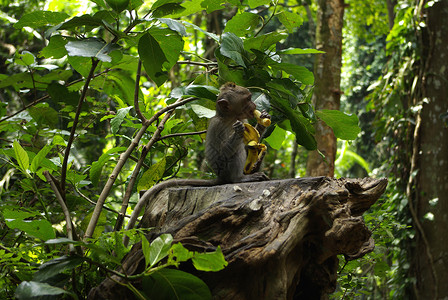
(259, 127)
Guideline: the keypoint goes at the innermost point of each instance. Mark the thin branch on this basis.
(133, 178)
(122, 160)
(75, 124)
(68, 221)
(182, 134)
(206, 65)
(136, 92)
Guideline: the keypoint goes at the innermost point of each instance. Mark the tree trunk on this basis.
(281, 238)
(327, 72)
(430, 196)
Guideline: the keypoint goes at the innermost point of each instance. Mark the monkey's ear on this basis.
(223, 104)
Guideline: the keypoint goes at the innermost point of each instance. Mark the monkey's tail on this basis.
(157, 188)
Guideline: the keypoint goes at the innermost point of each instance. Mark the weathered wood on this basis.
(281, 237)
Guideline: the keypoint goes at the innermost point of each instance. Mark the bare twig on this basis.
(75, 124)
(68, 221)
(123, 158)
(181, 134)
(136, 92)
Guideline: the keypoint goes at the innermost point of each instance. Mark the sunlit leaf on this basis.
(152, 175)
(33, 289)
(39, 18)
(210, 261)
(21, 157)
(91, 47)
(118, 5)
(345, 127)
(290, 20)
(240, 24)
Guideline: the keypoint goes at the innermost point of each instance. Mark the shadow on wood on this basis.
(281, 237)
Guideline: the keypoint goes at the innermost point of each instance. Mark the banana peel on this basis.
(255, 150)
(262, 121)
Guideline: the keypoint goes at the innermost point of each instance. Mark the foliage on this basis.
(383, 79)
(105, 98)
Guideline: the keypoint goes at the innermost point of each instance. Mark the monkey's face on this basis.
(246, 110)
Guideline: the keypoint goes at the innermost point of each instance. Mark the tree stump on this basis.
(281, 238)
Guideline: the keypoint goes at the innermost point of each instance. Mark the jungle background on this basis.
(102, 99)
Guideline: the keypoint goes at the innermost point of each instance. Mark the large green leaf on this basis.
(210, 261)
(170, 284)
(39, 18)
(171, 44)
(152, 175)
(91, 47)
(118, 5)
(56, 266)
(265, 41)
(32, 289)
(84, 20)
(37, 160)
(290, 20)
(256, 3)
(152, 57)
(118, 119)
(200, 91)
(233, 48)
(19, 219)
(277, 137)
(159, 249)
(240, 24)
(212, 5)
(345, 127)
(42, 113)
(21, 157)
(300, 73)
(55, 48)
(301, 126)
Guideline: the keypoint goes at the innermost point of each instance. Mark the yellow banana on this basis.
(265, 121)
(250, 134)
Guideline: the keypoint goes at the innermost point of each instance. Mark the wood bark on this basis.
(327, 91)
(281, 238)
(430, 187)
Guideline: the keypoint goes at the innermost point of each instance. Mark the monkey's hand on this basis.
(238, 127)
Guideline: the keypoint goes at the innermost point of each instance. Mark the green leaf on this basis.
(21, 157)
(153, 58)
(168, 9)
(118, 119)
(233, 48)
(38, 19)
(32, 289)
(203, 112)
(345, 127)
(181, 253)
(42, 113)
(38, 228)
(256, 3)
(210, 261)
(299, 51)
(84, 20)
(159, 249)
(37, 160)
(212, 5)
(26, 58)
(174, 25)
(300, 73)
(118, 5)
(276, 138)
(240, 24)
(57, 266)
(55, 48)
(91, 47)
(160, 3)
(170, 283)
(200, 91)
(82, 65)
(264, 42)
(171, 44)
(152, 175)
(97, 166)
(290, 20)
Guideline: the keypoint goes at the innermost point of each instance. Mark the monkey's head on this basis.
(235, 102)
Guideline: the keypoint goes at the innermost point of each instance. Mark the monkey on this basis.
(224, 148)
